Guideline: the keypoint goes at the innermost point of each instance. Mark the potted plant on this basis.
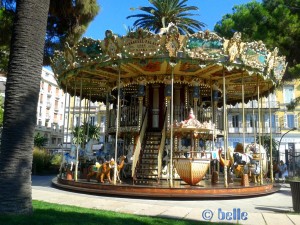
(295, 189)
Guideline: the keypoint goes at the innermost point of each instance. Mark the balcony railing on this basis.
(250, 105)
(264, 130)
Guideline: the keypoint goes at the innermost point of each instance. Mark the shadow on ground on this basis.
(54, 214)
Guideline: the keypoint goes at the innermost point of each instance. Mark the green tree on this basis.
(265, 140)
(82, 134)
(6, 23)
(67, 21)
(275, 22)
(21, 97)
(40, 141)
(167, 11)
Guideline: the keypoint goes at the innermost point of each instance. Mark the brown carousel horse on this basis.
(104, 170)
(94, 171)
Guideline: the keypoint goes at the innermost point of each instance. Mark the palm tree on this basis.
(20, 107)
(84, 133)
(164, 12)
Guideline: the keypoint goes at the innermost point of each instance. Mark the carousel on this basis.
(166, 96)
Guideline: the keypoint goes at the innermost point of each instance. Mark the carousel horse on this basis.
(99, 171)
(120, 167)
(93, 171)
(228, 162)
(260, 165)
(236, 161)
(104, 170)
(242, 163)
(69, 160)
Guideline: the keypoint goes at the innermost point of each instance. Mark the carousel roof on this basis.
(141, 57)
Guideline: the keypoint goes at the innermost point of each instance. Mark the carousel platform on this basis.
(180, 190)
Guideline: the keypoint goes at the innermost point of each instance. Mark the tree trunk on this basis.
(20, 107)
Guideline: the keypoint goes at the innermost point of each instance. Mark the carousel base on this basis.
(180, 190)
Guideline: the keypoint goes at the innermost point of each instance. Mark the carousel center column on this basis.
(177, 110)
(155, 109)
(141, 95)
(196, 95)
(215, 93)
(168, 103)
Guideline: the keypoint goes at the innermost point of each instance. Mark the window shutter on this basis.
(267, 121)
(285, 121)
(277, 121)
(248, 118)
(296, 120)
(229, 120)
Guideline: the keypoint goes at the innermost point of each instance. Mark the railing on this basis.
(129, 116)
(181, 113)
(138, 145)
(162, 145)
(239, 130)
(250, 105)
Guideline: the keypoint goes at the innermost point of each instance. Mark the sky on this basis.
(113, 13)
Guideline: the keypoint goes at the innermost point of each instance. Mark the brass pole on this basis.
(225, 128)
(117, 127)
(77, 147)
(171, 124)
(259, 132)
(271, 137)
(243, 114)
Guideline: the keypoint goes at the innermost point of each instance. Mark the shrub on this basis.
(41, 160)
(56, 159)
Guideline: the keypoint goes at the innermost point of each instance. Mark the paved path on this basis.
(271, 209)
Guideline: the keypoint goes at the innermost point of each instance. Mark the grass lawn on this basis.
(54, 214)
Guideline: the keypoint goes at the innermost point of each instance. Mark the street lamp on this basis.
(294, 128)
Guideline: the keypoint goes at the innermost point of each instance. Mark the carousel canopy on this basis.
(141, 57)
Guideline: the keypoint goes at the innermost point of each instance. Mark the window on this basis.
(41, 98)
(77, 101)
(253, 120)
(288, 93)
(92, 120)
(235, 121)
(56, 105)
(76, 121)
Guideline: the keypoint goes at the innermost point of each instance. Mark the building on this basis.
(289, 138)
(50, 111)
(264, 110)
(284, 123)
(79, 112)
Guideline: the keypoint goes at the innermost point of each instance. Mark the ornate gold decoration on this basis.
(234, 46)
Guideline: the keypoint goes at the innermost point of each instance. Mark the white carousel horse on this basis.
(259, 164)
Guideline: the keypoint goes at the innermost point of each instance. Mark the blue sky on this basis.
(112, 15)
